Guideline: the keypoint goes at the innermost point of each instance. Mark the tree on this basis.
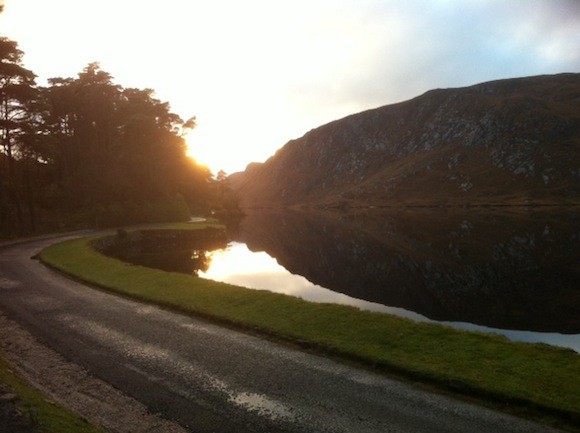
(81, 115)
(110, 145)
(87, 146)
(17, 93)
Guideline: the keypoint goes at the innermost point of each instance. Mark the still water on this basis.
(513, 273)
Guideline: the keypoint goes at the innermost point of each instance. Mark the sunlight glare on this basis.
(245, 89)
(237, 260)
(238, 265)
(258, 270)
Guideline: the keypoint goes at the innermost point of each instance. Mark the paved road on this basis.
(212, 379)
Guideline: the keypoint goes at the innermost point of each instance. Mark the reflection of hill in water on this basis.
(515, 271)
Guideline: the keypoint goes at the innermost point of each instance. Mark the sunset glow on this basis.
(257, 74)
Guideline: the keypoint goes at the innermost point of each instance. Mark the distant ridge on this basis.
(506, 142)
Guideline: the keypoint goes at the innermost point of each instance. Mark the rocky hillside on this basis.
(513, 141)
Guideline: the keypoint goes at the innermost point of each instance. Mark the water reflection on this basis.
(188, 256)
(518, 271)
(514, 273)
(237, 265)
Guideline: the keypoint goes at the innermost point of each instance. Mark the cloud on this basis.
(410, 47)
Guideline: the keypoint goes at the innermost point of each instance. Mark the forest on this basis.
(86, 152)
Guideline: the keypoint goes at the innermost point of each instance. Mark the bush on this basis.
(167, 210)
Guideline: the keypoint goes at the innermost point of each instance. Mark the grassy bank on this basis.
(530, 376)
(41, 414)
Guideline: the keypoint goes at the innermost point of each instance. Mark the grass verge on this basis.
(38, 412)
(536, 377)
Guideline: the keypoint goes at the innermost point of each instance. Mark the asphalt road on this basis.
(213, 379)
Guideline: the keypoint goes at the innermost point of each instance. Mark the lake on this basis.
(516, 272)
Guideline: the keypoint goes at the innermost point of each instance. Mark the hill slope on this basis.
(513, 141)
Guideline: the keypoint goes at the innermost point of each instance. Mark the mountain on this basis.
(506, 142)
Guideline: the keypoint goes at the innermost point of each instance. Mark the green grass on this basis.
(543, 378)
(209, 223)
(43, 415)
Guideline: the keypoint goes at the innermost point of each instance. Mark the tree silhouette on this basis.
(87, 150)
(116, 147)
(16, 95)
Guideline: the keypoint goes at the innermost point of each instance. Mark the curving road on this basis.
(212, 379)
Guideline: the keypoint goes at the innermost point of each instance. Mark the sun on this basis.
(222, 147)
(204, 153)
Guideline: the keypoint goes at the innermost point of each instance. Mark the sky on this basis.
(258, 73)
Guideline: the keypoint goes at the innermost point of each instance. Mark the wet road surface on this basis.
(213, 379)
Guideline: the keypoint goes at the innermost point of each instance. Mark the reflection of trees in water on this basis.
(200, 261)
(185, 256)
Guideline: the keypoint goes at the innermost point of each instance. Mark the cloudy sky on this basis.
(257, 73)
